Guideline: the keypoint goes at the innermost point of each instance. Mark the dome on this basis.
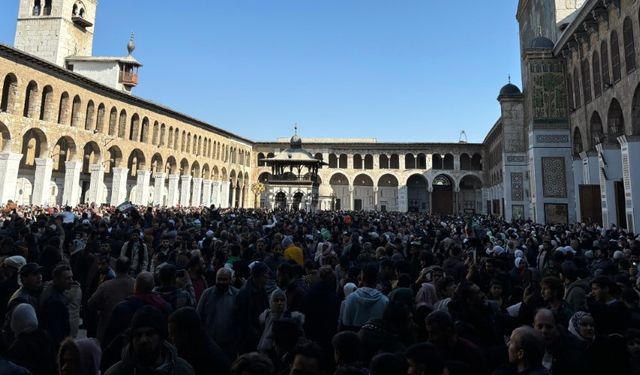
(296, 141)
(510, 90)
(542, 42)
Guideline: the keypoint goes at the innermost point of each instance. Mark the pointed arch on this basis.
(89, 118)
(596, 131)
(8, 101)
(46, 104)
(578, 147)
(629, 45)
(135, 127)
(144, 131)
(122, 124)
(615, 119)
(63, 109)
(76, 112)
(31, 100)
(113, 122)
(100, 119)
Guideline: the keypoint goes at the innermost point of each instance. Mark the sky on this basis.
(397, 71)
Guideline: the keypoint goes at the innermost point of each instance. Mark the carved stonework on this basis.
(554, 183)
(516, 159)
(552, 138)
(517, 186)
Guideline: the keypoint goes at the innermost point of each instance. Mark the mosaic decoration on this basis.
(549, 97)
(554, 184)
(517, 186)
(552, 138)
(556, 213)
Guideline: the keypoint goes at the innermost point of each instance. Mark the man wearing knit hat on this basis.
(148, 352)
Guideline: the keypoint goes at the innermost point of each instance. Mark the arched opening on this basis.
(604, 63)
(89, 119)
(281, 201)
(615, 121)
(465, 162)
(447, 162)
(163, 131)
(471, 194)
(597, 81)
(417, 193)
(476, 162)
(5, 138)
(261, 162)
(343, 161)
(318, 156)
(333, 161)
(595, 128)
(90, 156)
(63, 151)
(383, 160)
(9, 94)
(46, 104)
(357, 161)
(75, 111)
(629, 46)
(195, 170)
(176, 136)
(31, 100)
(122, 124)
(156, 163)
(113, 122)
(577, 142)
(34, 145)
(615, 57)
(436, 161)
(635, 112)
(394, 162)
(296, 204)
(368, 162)
(136, 162)
(135, 127)
(340, 195)
(363, 194)
(100, 119)
(115, 160)
(409, 161)
(36, 8)
(442, 196)
(63, 109)
(144, 131)
(171, 167)
(421, 161)
(388, 193)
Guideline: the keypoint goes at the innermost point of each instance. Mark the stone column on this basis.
(430, 197)
(158, 188)
(610, 171)
(456, 201)
(630, 148)
(71, 194)
(143, 179)
(119, 186)
(9, 166)
(375, 197)
(578, 179)
(215, 193)
(44, 168)
(197, 192)
(173, 194)
(224, 194)
(95, 194)
(206, 193)
(351, 202)
(233, 192)
(185, 191)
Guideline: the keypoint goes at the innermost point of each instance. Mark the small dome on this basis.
(296, 141)
(510, 90)
(542, 43)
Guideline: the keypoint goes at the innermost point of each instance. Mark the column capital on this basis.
(72, 163)
(44, 162)
(159, 175)
(96, 167)
(185, 178)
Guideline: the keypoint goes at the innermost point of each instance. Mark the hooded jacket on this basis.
(171, 364)
(363, 305)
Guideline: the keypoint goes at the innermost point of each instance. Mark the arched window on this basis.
(586, 80)
(342, 162)
(476, 162)
(9, 94)
(394, 163)
(75, 111)
(176, 142)
(357, 161)
(144, 131)
(604, 63)
(615, 57)
(89, 117)
(447, 162)
(409, 161)
(36, 8)
(135, 127)
(597, 82)
(421, 161)
(113, 122)
(629, 48)
(46, 11)
(183, 141)
(465, 162)
(383, 161)
(156, 130)
(333, 161)
(122, 125)
(100, 119)
(63, 111)
(436, 160)
(46, 104)
(576, 88)
(30, 98)
(368, 162)
(170, 140)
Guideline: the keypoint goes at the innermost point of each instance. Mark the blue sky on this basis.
(403, 70)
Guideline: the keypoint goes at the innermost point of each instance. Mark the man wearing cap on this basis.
(29, 292)
(147, 351)
(252, 300)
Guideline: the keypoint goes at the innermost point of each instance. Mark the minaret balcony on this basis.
(129, 78)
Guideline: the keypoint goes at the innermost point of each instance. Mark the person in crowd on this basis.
(217, 311)
(32, 347)
(526, 350)
(251, 301)
(288, 280)
(347, 351)
(252, 364)
(109, 294)
(147, 350)
(366, 302)
(79, 357)
(136, 251)
(277, 310)
(175, 296)
(388, 364)
(321, 307)
(54, 309)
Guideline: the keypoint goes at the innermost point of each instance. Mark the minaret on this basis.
(56, 29)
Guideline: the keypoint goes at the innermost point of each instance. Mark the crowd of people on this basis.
(134, 290)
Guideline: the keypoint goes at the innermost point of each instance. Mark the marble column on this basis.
(215, 193)
(232, 190)
(173, 193)
(9, 166)
(430, 194)
(143, 179)
(158, 188)
(196, 198)
(610, 159)
(185, 191)
(41, 191)
(206, 193)
(119, 186)
(630, 148)
(96, 184)
(71, 193)
(351, 202)
(375, 197)
(403, 199)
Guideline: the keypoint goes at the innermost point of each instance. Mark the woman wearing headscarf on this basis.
(32, 348)
(581, 328)
(79, 357)
(277, 310)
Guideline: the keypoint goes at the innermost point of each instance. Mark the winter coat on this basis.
(172, 364)
(363, 305)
